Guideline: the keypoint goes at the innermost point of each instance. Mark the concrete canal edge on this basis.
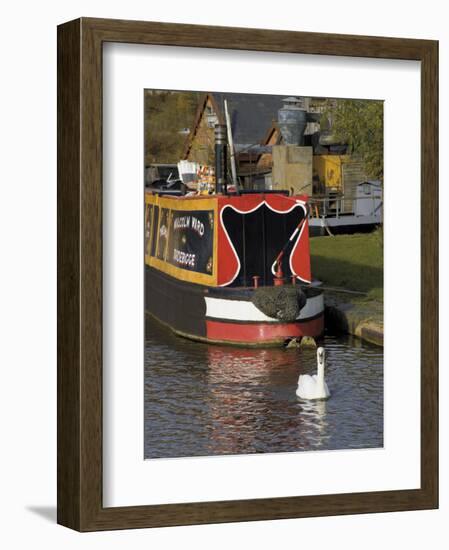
(346, 314)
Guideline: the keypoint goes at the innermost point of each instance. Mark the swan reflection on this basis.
(314, 422)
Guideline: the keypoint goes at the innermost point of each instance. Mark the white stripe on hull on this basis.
(241, 310)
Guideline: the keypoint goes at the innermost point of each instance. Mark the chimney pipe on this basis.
(220, 158)
(292, 120)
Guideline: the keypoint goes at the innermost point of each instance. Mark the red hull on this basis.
(257, 333)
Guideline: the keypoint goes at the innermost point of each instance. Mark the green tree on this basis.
(166, 114)
(359, 123)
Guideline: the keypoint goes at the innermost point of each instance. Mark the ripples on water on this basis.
(216, 400)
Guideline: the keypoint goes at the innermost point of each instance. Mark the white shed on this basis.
(368, 198)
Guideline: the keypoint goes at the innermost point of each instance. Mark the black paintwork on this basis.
(258, 237)
(179, 304)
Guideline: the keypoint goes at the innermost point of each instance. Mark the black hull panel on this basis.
(178, 304)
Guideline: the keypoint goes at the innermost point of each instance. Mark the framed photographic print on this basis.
(247, 286)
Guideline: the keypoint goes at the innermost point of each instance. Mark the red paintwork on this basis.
(262, 332)
(227, 260)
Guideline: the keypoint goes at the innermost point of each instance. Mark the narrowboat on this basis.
(230, 266)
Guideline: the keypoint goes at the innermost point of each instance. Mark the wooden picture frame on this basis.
(80, 351)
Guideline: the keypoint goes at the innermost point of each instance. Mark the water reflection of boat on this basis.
(249, 390)
(230, 267)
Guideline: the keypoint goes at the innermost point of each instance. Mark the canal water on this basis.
(210, 400)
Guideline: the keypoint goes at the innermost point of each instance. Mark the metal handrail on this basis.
(340, 197)
(322, 203)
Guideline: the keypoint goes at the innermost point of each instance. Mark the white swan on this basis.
(314, 387)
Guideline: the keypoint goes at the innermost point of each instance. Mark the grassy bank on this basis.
(353, 262)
